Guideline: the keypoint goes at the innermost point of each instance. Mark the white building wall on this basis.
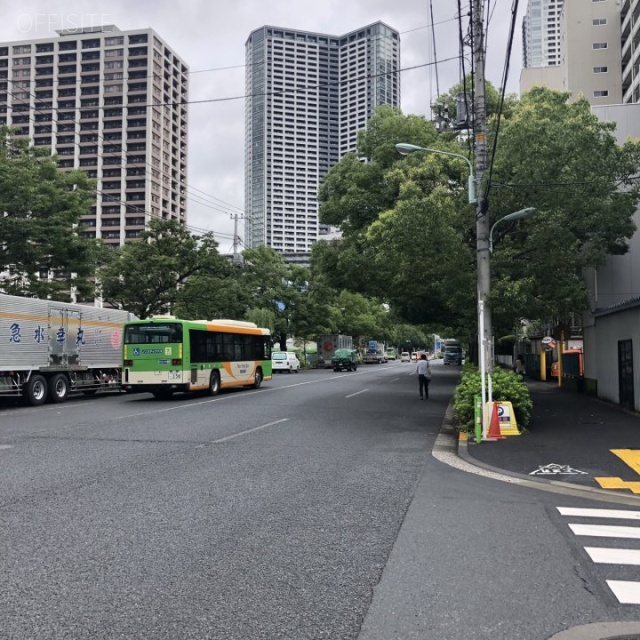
(616, 284)
(610, 329)
(591, 50)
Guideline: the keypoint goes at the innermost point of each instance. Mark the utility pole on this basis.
(485, 331)
(237, 258)
(481, 157)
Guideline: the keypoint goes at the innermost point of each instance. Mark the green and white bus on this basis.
(163, 355)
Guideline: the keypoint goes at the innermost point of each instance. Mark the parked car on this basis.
(284, 361)
(405, 357)
(391, 354)
(344, 359)
(413, 357)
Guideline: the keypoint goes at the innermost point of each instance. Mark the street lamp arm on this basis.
(516, 215)
(405, 149)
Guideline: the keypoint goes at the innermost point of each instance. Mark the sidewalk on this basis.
(569, 439)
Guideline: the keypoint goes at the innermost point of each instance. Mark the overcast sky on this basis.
(210, 37)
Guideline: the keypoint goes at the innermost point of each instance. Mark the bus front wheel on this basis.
(214, 384)
(257, 381)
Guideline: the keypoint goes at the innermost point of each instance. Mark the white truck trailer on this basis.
(52, 348)
(327, 344)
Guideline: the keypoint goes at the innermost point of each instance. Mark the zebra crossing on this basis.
(614, 557)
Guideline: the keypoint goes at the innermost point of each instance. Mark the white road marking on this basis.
(6, 446)
(357, 393)
(222, 398)
(603, 555)
(242, 433)
(605, 531)
(600, 513)
(626, 591)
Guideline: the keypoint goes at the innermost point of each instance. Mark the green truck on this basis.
(344, 359)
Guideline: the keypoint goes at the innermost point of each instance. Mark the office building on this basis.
(308, 96)
(112, 103)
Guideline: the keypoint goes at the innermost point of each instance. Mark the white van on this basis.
(284, 361)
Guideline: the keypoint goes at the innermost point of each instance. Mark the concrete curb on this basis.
(453, 441)
(601, 631)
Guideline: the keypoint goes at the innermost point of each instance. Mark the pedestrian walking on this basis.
(424, 376)
(519, 368)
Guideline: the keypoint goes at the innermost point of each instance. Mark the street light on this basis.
(516, 215)
(405, 149)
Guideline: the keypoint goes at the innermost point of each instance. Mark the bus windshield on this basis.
(152, 333)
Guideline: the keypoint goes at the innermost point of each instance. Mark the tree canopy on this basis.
(146, 277)
(409, 234)
(39, 225)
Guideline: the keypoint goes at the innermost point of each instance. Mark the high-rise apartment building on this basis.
(541, 33)
(112, 103)
(308, 96)
(630, 50)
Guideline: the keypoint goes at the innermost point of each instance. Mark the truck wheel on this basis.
(35, 393)
(214, 384)
(58, 388)
(257, 381)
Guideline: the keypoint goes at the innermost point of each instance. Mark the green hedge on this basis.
(506, 386)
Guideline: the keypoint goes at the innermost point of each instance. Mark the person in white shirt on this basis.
(424, 376)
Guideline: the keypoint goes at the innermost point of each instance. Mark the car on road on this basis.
(405, 357)
(344, 359)
(284, 361)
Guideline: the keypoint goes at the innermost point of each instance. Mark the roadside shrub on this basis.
(507, 386)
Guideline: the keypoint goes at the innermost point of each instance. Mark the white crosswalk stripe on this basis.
(625, 591)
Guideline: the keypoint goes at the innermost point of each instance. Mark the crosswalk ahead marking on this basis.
(626, 591)
(605, 531)
(600, 513)
(602, 555)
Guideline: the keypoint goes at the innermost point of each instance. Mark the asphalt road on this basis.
(310, 508)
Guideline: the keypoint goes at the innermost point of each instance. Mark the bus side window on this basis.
(198, 346)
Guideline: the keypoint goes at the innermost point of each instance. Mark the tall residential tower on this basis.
(541, 33)
(112, 103)
(308, 96)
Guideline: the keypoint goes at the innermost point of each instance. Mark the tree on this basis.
(405, 221)
(265, 276)
(218, 295)
(555, 155)
(39, 225)
(264, 318)
(145, 276)
(409, 231)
